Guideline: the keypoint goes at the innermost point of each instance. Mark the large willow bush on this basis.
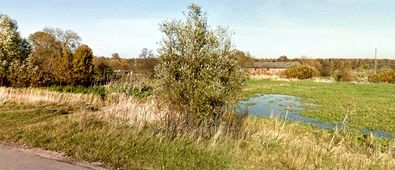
(200, 74)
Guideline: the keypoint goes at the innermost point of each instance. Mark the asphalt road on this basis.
(12, 158)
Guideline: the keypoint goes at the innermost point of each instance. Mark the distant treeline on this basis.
(140, 66)
(326, 67)
(380, 70)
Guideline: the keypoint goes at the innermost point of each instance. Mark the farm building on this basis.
(269, 68)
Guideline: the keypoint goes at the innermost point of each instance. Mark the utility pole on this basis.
(375, 61)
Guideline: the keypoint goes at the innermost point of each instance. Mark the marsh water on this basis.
(290, 107)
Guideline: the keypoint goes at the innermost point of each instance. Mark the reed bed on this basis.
(120, 106)
(134, 110)
(38, 97)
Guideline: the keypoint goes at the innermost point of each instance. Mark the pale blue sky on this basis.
(265, 28)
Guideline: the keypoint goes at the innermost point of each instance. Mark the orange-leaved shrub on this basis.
(300, 71)
(385, 74)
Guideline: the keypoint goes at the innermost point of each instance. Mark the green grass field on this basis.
(88, 137)
(85, 134)
(370, 105)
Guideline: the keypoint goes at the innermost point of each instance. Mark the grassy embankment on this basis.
(122, 132)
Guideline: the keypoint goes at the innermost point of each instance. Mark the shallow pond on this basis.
(281, 106)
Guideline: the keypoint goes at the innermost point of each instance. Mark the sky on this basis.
(265, 28)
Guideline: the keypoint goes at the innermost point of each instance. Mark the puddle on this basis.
(379, 133)
(276, 106)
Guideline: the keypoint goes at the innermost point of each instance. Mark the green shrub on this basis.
(97, 90)
(300, 71)
(385, 74)
(132, 86)
(133, 90)
(200, 74)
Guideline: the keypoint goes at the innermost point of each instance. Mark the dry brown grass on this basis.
(37, 97)
(120, 106)
(300, 149)
(134, 110)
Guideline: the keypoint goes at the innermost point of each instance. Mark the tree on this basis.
(245, 59)
(68, 39)
(283, 59)
(63, 67)
(146, 63)
(45, 48)
(145, 53)
(199, 72)
(12, 45)
(83, 69)
(52, 52)
(115, 56)
(103, 72)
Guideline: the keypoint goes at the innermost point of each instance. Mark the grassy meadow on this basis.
(368, 105)
(122, 132)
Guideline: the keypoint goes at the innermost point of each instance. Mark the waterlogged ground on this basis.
(370, 106)
(280, 106)
(288, 107)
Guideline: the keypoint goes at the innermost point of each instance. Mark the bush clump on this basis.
(138, 86)
(300, 71)
(344, 72)
(133, 90)
(385, 74)
(97, 90)
(200, 74)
